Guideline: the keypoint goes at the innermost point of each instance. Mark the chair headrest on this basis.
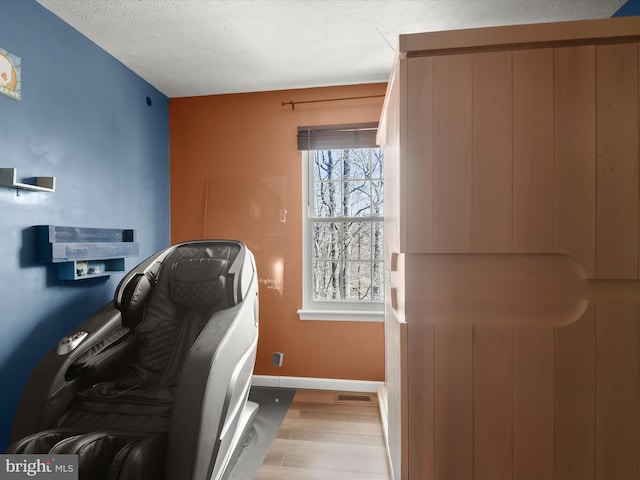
(198, 282)
(134, 298)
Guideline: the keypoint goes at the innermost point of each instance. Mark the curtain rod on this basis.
(293, 104)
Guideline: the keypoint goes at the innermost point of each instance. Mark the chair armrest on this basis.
(48, 392)
(109, 358)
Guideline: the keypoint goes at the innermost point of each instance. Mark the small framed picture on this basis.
(10, 67)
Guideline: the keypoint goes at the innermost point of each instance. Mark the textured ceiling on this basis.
(203, 47)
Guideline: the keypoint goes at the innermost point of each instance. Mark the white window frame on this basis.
(325, 310)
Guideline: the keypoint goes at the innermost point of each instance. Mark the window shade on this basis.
(328, 137)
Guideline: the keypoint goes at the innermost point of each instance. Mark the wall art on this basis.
(10, 67)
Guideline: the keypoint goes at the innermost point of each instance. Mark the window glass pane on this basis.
(357, 199)
(378, 241)
(356, 164)
(326, 280)
(327, 165)
(377, 291)
(377, 198)
(358, 241)
(358, 279)
(327, 240)
(377, 165)
(327, 199)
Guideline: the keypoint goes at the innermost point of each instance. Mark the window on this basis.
(343, 233)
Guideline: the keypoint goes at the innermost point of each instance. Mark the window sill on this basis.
(342, 315)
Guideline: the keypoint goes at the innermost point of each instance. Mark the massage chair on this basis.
(155, 384)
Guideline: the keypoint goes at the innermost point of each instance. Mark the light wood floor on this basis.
(322, 438)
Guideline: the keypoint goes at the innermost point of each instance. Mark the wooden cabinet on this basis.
(85, 252)
(514, 140)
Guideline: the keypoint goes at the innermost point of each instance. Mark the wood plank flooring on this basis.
(325, 439)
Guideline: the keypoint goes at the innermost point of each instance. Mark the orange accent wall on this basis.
(236, 173)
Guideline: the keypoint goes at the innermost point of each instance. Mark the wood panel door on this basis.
(512, 152)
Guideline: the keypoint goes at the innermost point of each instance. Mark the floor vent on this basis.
(355, 399)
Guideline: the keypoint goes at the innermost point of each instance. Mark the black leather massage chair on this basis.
(155, 384)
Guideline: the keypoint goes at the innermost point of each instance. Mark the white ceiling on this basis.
(204, 47)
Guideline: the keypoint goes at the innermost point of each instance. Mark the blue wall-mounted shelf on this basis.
(85, 252)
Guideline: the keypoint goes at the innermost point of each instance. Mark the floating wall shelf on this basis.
(85, 252)
(41, 184)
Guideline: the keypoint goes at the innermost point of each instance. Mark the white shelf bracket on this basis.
(42, 184)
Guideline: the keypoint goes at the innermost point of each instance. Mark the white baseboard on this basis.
(316, 383)
(383, 403)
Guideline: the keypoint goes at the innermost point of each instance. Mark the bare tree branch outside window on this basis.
(347, 225)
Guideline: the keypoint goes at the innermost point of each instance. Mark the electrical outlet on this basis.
(278, 357)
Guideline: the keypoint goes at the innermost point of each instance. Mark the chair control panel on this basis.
(69, 343)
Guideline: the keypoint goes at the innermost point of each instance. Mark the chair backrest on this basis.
(169, 304)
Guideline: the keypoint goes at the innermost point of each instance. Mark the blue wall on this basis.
(83, 119)
(629, 9)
